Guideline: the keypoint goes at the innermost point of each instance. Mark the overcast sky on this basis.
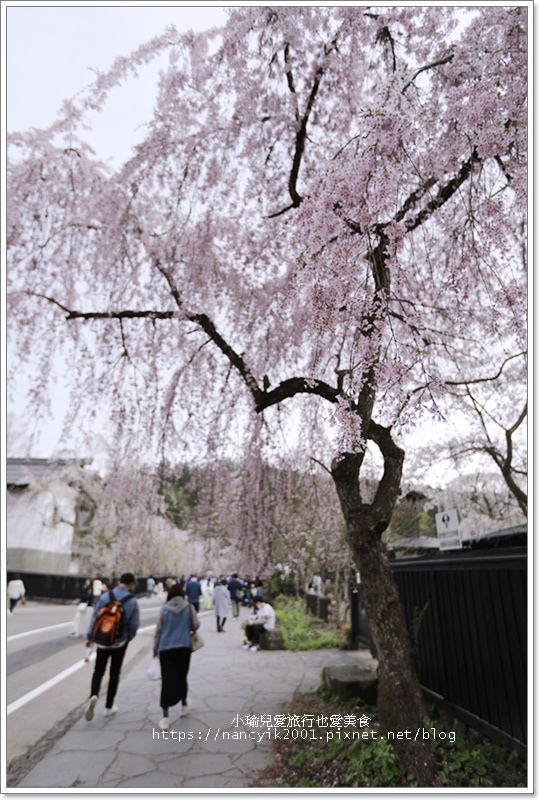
(51, 52)
(50, 55)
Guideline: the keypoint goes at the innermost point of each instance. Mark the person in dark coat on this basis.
(235, 588)
(194, 592)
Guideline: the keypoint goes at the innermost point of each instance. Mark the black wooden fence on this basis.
(318, 606)
(467, 616)
(60, 588)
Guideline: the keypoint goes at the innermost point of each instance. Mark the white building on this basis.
(45, 509)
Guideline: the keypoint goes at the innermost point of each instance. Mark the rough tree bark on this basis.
(400, 701)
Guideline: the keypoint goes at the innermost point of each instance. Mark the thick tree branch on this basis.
(419, 71)
(72, 314)
(388, 488)
(301, 133)
(262, 398)
(488, 379)
(291, 387)
(445, 193)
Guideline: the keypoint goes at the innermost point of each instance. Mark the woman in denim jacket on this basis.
(172, 642)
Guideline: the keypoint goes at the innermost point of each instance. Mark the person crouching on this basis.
(262, 619)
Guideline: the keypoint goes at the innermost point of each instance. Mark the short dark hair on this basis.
(176, 590)
(127, 577)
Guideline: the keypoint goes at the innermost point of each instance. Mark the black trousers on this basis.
(174, 672)
(116, 655)
(13, 602)
(253, 632)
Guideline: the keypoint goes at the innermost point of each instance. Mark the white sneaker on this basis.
(184, 708)
(246, 646)
(254, 648)
(90, 709)
(164, 723)
(110, 711)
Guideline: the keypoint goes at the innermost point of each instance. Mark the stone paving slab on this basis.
(202, 749)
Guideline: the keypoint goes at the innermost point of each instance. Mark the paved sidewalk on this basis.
(210, 747)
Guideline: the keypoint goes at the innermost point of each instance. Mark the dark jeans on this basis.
(195, 604)
(116, 654)
(13, 602)
(253, 632)
(220, 623)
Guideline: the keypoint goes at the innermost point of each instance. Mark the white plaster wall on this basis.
(42, 519)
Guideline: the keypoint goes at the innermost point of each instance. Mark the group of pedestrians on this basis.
(173, 639)
(172, 643)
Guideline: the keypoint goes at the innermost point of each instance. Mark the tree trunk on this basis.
(337, 589)
(400, 701)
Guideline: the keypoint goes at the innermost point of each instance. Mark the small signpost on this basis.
(448, 530)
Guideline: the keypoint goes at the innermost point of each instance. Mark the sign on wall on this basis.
(448, 530)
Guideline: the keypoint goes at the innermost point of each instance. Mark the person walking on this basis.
(172, 643)
(115, 652)
(235, 587)
(15, 591)
(194, 592)
(150, 583)
(97, 587)
(86, 599)
(221, 604)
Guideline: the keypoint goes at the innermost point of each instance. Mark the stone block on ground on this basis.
(271, 640)
(351, 681)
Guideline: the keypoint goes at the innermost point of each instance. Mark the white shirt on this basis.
(16, 590)
(266, 616)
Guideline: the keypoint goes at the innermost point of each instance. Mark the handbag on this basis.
(196, 639)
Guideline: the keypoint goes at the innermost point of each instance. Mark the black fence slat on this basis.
(507, 643)
(471, 644)
(480, 702)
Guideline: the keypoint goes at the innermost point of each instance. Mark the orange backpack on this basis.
(110, 623)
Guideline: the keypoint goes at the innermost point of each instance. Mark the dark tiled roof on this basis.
(24, 471)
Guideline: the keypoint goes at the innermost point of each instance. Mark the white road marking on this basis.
(37, 631)
(29, 696)
(26, 698)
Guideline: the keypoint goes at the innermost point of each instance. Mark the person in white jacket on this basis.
(262, 619)
(15, 591)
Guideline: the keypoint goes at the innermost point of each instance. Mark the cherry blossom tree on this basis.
(129, 528)
(323, 213)
(497, 412)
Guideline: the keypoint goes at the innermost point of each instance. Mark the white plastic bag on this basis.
(154, 670)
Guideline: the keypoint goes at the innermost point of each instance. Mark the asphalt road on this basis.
(46, 677)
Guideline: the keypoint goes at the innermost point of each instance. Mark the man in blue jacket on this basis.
(194, 592)
(114, 652)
